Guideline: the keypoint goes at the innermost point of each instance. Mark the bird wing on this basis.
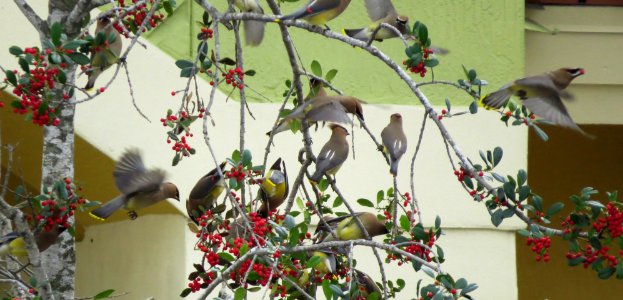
(148, 182)
(204, 186)
(551, 109)
(378, 9)
(497, 98)
(103, 58)
(312, 8)
(329, 111)
(129, 167)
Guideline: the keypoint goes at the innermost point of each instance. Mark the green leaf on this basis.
(469, 288)
(524, 192)
(431, 63)
(62, 77)
(103, 294)
(473, 107)
(168, 8)
(365, 202)
(330, 75)
(522, 177)
(183, 64)
(338, 201)
(246, 157)
(405, 224)
(55, 33)
(235, 156)
(73, 45)
(55, 58)
(11, 77)
(316, 68)
(555, 208)
(79, 58)
(226, 256)
(605, 273)
(14, 50)
(380, 195)
(537, 202)
(461, 283)
(497, 217)
(240, 293)
(497, 156)
(422, 33)
(326, 288)
(471, 75)
(249, 72)
(323, 184)
(437, 222)
(428, 272)
(185, 292)
(227, 61)
(542, 135)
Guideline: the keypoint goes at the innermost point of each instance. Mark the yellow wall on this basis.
(592, 38)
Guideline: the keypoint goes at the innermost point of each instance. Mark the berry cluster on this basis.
(239, 173)
(612, 222)
(34, 87)
(206, 33)
(540, 246)
(133, 19)
(444, 112)
(57, 205)
(420, 66)
(234, 77)
(180, 124)
(474, 193)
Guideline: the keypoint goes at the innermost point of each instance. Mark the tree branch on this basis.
(34, 19)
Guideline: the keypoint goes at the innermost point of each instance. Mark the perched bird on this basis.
(365, 286)
(328, 263)
(13, 244)
(253, 30)
(323, 108)
(541, 94)
(319, 12)
(103, 56)
(394, 142)
(333, 153)
(346, 227)
(139, 187)
(274, 188)
(380, 11)
(203, 196)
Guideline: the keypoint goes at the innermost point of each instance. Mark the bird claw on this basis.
(133, 215)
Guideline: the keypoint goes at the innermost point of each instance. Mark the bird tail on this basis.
(302, 12)
(358, 33)
(253, 32)
(496, 99)
(316, 177)
(109, 208)
(91, 81)
(393, 167)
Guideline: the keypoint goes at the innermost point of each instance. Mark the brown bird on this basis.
(139, 187)
(323, 108)
(380, 11)
(541, 94)
(394, 141)
(274, 188)
(346, 227)
(204, 194)
(103, 56)
(366, 287)
(333, 153)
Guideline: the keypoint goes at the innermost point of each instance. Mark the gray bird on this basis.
(205, 193)
(541, 94)
(333, 153)
(318, 12)
(253, 30)
(102, 57)
(394, 142)
(323, 108)
(346, 227)
(274, 189)
(139, 187)
(380, 11)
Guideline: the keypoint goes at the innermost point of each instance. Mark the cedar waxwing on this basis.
(319, 12)
(274, 188)
(102, 57)
(328, 263)
(541, 94)
(13, 243)
(346, 227)
(203, 196)
(380, 11)
(323, 108)
(333, 153)
(395, 142)
(366, 286)
(139, 187)
(253, 30)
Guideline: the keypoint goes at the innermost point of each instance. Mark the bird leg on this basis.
(133, 215)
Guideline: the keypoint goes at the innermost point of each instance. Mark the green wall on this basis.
(485, 35)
